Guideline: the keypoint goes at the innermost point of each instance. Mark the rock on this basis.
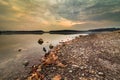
(70, 71)
(83, 74)
(65, 78)
(38, 70)
(75, 65)
(82, 67)
(19, 50)
(51, 46)
(26, 63)
(18, 79)
(44, 49)
(47, 42)
(100, 73)
(40, 41)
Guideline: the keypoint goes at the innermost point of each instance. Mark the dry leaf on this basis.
(50, 59)
(36, 76)
(60, 64)
(57, 77)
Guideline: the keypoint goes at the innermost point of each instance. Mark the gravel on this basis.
(91, 57)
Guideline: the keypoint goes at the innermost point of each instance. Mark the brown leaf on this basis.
(50, 59)
(36, 76)
(57, 77)
(60, 64)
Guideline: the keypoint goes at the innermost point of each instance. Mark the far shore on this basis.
(64, 32)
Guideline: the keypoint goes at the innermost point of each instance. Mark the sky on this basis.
(59, 14)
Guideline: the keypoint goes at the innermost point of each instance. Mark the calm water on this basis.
(11, 60)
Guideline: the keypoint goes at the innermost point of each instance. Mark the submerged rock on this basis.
(26, 63)
(44, 49)
(40, 41)
(51, 46)
(19, 50)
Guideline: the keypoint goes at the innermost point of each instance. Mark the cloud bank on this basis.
(59, 14)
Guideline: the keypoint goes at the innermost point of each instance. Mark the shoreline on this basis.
(83, 58)
(94, 56)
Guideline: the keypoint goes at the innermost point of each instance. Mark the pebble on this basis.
(82, 67)
(51, 46)
(26, 63)
(83, 74)
(65, 78)
(75, 65)
(54, 68)
(100, 73)
(19, 50)
(70, 71)
(44, 49)
(38, 70)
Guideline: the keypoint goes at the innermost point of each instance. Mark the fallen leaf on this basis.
(57, 77)
(60, 64)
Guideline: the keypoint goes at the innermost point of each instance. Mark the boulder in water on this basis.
(51, 46)
(40, 41)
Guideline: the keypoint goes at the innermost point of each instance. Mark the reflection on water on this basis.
(9, 44)
(30, 50)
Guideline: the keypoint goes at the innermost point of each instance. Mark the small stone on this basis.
(38, 70)
(70, 71)
(91, 71)
(65, 78)
(40, 41)
(47, 42)
(82, 78)
(18, 79)
(51, 46)
(100, 73)
(26, 63)
(83, 74)
(44, 49)
(82, 67)
(19, 50)
(54, 68)
(75, 65)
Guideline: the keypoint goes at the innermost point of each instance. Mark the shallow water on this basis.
(11, 60)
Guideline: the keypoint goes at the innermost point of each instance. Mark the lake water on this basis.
(11, 60)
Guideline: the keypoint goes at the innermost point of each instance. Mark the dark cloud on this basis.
(69, 9)
(75, 10)
(104, 10)
(92, 9)
(113, 16)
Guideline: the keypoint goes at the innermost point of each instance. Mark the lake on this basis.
(11, 59)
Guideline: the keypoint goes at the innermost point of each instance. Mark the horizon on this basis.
(65, 32)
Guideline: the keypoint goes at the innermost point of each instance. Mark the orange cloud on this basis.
(68, 23)
(16, 8)
(64, 23)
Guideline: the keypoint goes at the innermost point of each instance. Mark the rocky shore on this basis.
(91, 57)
